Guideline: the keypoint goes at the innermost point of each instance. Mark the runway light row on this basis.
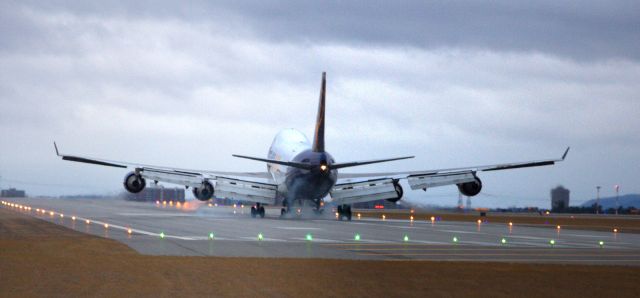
(53, 213)
(308, 237)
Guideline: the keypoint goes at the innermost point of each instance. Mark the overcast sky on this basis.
(187, 84)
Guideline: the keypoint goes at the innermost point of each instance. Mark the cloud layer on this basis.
(455, 84)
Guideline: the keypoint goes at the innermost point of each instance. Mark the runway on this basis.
(198, 229)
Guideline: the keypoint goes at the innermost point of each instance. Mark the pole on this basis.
(617, 187)
(598, 200)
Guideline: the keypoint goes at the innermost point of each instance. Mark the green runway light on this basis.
(503, 241)
(455, 239)
(309, 237)
(552, 242)
(406, 238)
(260, 237)
(601, 243)
(211, 236)
(162, 235)
(356, 237)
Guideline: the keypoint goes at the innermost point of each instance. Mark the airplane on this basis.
(299, 172)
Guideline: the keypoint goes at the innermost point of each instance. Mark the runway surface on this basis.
(201, 230)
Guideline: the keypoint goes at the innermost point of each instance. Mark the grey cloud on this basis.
(576, 29)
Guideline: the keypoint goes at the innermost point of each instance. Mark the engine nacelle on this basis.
(134, 183)
(399, 191)
(470, 189)
(204, 192)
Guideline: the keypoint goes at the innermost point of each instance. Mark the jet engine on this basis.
(399, 191)
(134, 183)
(204, 192)
(470, 189)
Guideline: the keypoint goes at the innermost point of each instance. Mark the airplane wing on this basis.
(247, 186)
(363, 187)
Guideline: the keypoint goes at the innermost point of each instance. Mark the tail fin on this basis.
(318, 137)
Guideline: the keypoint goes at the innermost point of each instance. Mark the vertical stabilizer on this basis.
(318, 137)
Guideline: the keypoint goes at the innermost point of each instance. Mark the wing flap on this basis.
(243, 190)
(350, 193)
(181, 178)
(428, 181)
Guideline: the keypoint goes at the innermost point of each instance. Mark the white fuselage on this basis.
(286, 145)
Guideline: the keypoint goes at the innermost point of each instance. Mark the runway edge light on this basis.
(356, 237)
(211, 235)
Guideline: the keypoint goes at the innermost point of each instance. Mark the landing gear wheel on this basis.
(261, 211)
(344, 211)
(253, 212)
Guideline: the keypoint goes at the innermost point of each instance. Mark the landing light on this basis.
(309, 237)
(161, 235)
(383, 217)
(558, 227)
(106, 226)
(601, 243)
(87, 221)
(510, 224)
(73, 218)
(411, 218)
(356, 237)
(50, 212)
(615, 230)
(455, 239)
(552, 242)
(211, 236)
(129, 231)
(479, 221)
(61, 215)
(260, 237)
(503, 241)
(323, 167)
(433, 218)
(406, 238)
(358, 215)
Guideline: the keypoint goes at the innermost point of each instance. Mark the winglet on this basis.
(565, 153)
(56, 146)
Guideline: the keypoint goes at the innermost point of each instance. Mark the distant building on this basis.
(12, 193)
(559, 198)
(157, 193)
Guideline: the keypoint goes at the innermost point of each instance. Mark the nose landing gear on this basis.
(257, 210)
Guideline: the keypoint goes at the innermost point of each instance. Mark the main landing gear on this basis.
(257, 210)
(344, 211)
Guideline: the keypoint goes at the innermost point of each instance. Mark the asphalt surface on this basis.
(198, 229)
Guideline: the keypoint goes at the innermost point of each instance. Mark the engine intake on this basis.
(204, 192)
(399, 192)
(134, 183)
(470, 189)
